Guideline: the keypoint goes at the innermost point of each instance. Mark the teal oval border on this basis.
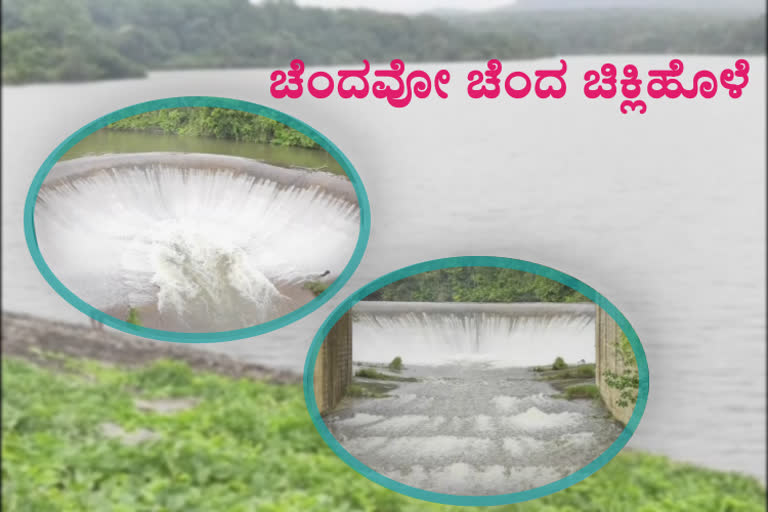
(477, 261)
(196, 101)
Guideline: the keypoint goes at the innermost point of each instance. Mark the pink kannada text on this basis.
(664, 83)
(400, 88)
(397, 89)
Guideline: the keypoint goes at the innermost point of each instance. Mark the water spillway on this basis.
(195, 242)
(475, 419)
(521, 334)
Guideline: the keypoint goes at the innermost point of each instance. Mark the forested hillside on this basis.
(68, 40)
(617, 31)
(47, 40)
(477, 284)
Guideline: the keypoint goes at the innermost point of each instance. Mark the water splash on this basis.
(197, 249)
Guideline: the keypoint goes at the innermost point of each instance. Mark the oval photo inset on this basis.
(476, 381)
(197, 219)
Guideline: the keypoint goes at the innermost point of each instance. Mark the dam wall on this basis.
(333, 367)
(337, 186)
(510, 335)
(608, 358)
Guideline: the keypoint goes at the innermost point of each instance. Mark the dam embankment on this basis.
(32, 338)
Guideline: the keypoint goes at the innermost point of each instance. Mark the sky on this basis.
(408, 6)
(416, 6)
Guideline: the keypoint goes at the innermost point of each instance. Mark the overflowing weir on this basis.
(521, 334)
(471, 418)
(195, 242)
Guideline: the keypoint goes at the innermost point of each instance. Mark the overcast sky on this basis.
(409, 6)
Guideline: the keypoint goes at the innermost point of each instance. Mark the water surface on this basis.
(663, 214)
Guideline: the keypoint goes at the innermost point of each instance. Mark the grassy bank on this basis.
(370, 373)
(219, 123)
(248, 445)
(572, 381)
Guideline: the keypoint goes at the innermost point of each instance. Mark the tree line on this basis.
(51, 40)
(219, 123)
(477, 284)
(630, 30)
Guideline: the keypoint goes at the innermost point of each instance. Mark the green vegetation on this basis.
(567, 377)
(219, 123)
(559, 364)
(477, 284)
(369, 389)
(586, 371)
(628, 382)
(396, 365)
(581, 391)
(583, 371)
(316, 287)
(250, 445)
(133, 317)
(370, 373)
(59, 40)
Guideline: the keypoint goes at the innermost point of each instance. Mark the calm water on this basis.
(107, 141)
(664, 214)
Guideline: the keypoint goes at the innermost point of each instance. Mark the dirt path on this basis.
(27, 336)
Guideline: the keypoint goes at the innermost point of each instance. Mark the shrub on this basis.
(133, 317)
(585, 371)
(316, 287)
(396, 364)
(559, 364)
(581, 391)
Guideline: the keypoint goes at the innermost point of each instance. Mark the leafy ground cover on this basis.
(240, 445)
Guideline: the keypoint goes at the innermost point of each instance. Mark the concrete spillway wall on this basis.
(333, 368)
(608, 358)
(338, 186)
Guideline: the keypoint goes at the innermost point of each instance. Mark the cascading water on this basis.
(504, 334)
(194, 248)
(477, 421)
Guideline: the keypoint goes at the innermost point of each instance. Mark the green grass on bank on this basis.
(249, 445)
(370, 373)
(581, 391)
(219, 123)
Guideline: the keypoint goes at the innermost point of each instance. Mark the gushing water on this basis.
(476, 421)
(503, 334)
(204, 249)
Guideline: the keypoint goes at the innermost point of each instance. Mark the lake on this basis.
(663, 214)
(108, 141)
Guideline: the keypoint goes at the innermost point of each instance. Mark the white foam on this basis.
(432, 447)
(530, 477)
(358, 419)
(579, 439)
(436, 422)
(361, 446)
(534, 419)
(484, 423)
(398, 424)
(195, 242)
(506, 403)
(521, 446)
